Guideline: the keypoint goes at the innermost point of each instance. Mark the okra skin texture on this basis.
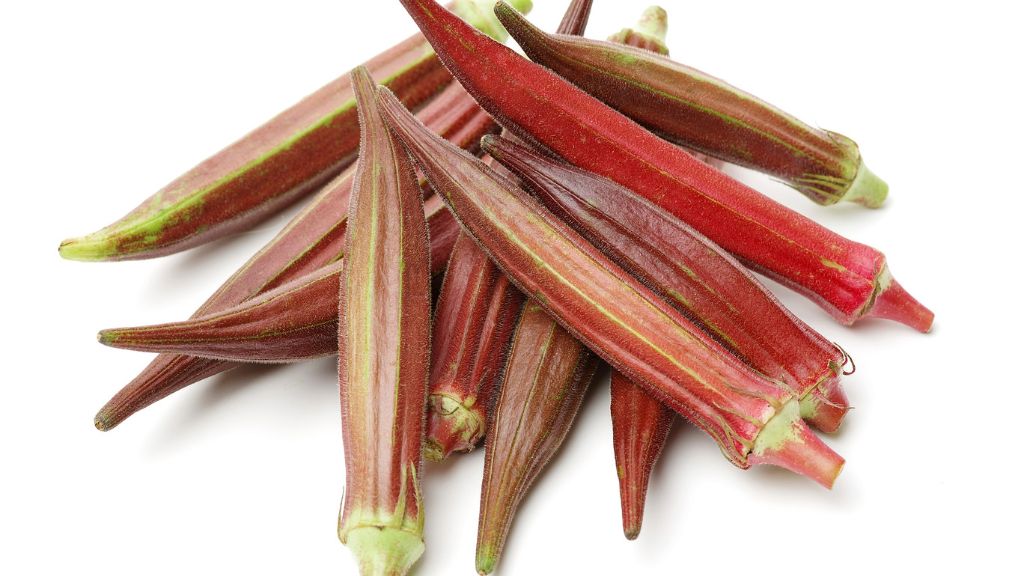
(640, 427)
(547, 375)
(313, 239)
(613, 314)
(848, 279)
(472, 324)
(281, 161)
(686, 270)
(702, 112)
(295, 321)
(384, 351)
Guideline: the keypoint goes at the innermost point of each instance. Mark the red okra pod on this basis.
(688, 271)
(754, 419)
(848, 279)
(640, 427)
(472, 324)
(384, 351)
(313, 239)
(295, 321)
(291, 155)
(547, 375)
(702, 112)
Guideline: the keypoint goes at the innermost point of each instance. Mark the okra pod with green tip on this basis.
(384, 351)
(288, 157)
(848, 279)
(547, 375)
(753, 418)
(295, 321)
(313, 239)
(702, 112)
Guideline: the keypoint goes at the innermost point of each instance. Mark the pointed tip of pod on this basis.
(895, 303)
(384, 551)
(85, 249)
(867, 189)
(103, 421)
(486, 559)
(107, 337)
(452, 427)
(788, 442)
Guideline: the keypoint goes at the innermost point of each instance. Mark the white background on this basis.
(104, 102)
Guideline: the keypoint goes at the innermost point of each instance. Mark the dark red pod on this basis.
(700, 111)
(548, 373)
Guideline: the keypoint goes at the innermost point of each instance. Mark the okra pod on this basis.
(313, 239)
(754, 419)
(848, 279)
(472, 324)
(640, 427)
(702, 112)
(384, 351)
(295, 321)
(547, 375)
(291, 155)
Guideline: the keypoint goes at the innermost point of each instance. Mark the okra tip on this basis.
(103, 421)
(867, 188)
(486, 559)
(85, 249)
(786, 441)
(384, 551)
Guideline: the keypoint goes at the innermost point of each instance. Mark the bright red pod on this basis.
(383, 351)
(474, 311)
(753, 419)
(313, 239)
(640, 427)
(848, 279)
(547, 375)
(686, 270)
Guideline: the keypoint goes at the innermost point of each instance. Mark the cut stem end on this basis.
(867, 189)
(895, 303)
(452, 427)
(786, 441)
(384, 551)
